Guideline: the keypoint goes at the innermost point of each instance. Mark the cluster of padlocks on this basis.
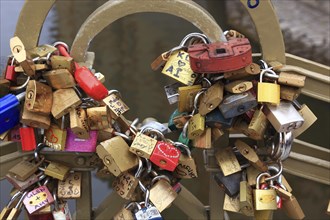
(219, 90)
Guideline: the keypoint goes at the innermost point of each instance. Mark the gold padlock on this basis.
(264, 199)
(178, 68)
(186, 168)
(289, 93)
(308, 116)
(245, 197)
(160, 61)
(231, 204)
(70, 188)
(293, 209)
(38, 97)
(55, 137)
(227, 161)
(211, 98)
(250, 70)
(204, 141)
(105, 134)
(59, 79)
(61, 62)
(258, 125)
(116, 105)
(268, 92)
(35, 120)
(64, 100)
(196, 126)
(79, 123)
(116, 155)
(187, 96)
(143, 145)
(98, 118)
(57, 170)
(41, 51)
(238, 86)
(291, 79)
(124, 214)
(38, 67)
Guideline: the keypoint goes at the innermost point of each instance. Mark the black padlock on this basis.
(230, 183)
(216, 119)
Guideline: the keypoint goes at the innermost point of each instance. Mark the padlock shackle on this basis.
(184, 147)
(164, 177)
(259, 178)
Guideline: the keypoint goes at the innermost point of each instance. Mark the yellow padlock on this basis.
(268, 92)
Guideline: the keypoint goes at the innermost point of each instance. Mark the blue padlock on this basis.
(9, 111)
(216, 119)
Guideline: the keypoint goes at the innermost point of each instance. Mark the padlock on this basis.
(55, 137)
(293, 209)
(126, 183)
(187, 96)
(186, 168)
(234, 105)
(9, 111)
(105, 134)
(211, 98)
(25, 168)
(250, 70)
(220, 56)
(41, 51)
(257, 125)
(283, 117)
(251, 156)
(116, 105)
(42, 214)
(264, 199)
(125, 213)
(216, 134)
(176, 113)
(204, 141)
(15, 212)
(38, 67)
(180, 120)
(215, 119)
(178, 68)
(56, 170)
(160, 61)
(4, 87)
(59, 78)
(98, 118)
(143, 145)
(61, 209)
(308, 116)
(184, 140)
(148, 212)
(28, 138)
(165, 155)
(70, 188)
(238, 86)
(231, 204)
(10, 73)
(268, 92)
(252, 173)
(62, 62)
(161, 193)
(86, 79)
(38, 97)
(79, 123)
(6, 210)
(233, 34)
(75, 144)
(155, 125)
(196, 126)
(245, 196)
(289, 93)
(116, 156)
(37, 199)
(35, 120)
(289, 79)
(227, 161)
(18, 50)
(64, 100)
(172, 92)
(230, 184)
(23, 185)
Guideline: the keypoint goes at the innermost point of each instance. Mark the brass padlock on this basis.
(105, 134)
(61, 62)
(196, 126)
(238, 86)
(293, 209)
(57, 170)
(7, 209)
(64, 100)
(160, 61)
(268, 92)
(98, 118)
(289, 93)
(37, 66)
(227, 161)
(116, 105)
(59, 79)
(231, 204)
(245, 197)
(308, 116)
(264, 199)
(257, 125)
(25, 168)
(70, 188)
(38, 97)
(187, 96)
(41, 51)
(116, 155)
(143, 145)
(79, 123)
(250, 70)
(55, 137)
(186, 168)
(211, 98)
(289, 79)
(124, 214)
(35, 120)
(178, 68)
(203, 141)
(161, 193)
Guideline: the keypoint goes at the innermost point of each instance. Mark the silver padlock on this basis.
(172, 93)
(284, 117)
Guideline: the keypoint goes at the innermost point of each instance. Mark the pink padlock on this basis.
(73, 143)
(37, 199)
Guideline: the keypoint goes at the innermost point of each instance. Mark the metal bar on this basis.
(216, 198)
(109, 206)
(84, 203)
(190, 205)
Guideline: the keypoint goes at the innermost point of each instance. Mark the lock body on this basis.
(57, 170)
(265, 199)
(230, 184)
(59, 79)
(37, 199)
(39, 97)
(70, 188)
(75, 144)
(64, 100)
(269, 93)
(55, 137)
(125, 185)
(186, 168)
(28, 138)
(220, 56)
(211, 99)
(143, 145)
(116, 105)
(186, 97)
(35, 120)
(79, 123)
(162, 195)
(9, 112)
(215, 119)
(98, 118)
(165, 156)
(62, 62)
(196, 126)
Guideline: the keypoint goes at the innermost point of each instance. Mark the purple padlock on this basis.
(73, 143)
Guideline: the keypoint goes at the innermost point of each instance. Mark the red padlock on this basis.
(165, 156)
(219, 57)
(28, 138)
(10, 72)
(85, 78)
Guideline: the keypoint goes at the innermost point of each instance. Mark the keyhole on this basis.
(210, 106)
(242, 88)
(246, 151)
(163, 162)
(17, 49)
(30, 94)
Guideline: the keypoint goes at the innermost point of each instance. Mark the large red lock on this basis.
(86, 79)
(28, 138)
(10, 72)
(220, 57)
(165, 156)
